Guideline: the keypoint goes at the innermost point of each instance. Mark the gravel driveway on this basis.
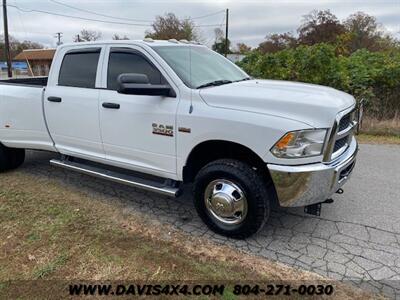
(356, 238)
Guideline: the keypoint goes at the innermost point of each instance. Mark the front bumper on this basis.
(310, 184)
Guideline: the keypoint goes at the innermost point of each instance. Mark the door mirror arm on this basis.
(139, 84)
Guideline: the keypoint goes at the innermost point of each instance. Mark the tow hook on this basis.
(339, 191)
(315, 209)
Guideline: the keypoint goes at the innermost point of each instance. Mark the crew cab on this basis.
(160, 114)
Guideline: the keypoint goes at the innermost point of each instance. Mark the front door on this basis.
(137, 131)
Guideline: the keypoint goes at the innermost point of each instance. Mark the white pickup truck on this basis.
(158, 114)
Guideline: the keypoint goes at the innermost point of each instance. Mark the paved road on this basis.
(357, 237)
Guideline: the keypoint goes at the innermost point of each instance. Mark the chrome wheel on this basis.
(225, 201)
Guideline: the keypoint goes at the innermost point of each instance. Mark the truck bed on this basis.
(29, 81)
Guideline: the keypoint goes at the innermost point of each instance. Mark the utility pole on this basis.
(6, 40)
(227, 33)
(58, 36)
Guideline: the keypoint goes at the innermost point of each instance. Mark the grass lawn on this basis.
(378, 139)
(51, 231)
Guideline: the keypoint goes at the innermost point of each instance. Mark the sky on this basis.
(250, 21)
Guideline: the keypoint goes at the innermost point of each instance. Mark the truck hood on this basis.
(311, 104)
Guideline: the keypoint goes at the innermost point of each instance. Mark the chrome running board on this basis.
(134, 181)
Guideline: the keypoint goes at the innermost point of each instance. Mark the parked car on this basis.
(158, 114)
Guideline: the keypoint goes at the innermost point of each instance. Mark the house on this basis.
(38, 60)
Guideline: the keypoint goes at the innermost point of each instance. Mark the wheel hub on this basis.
(226, 201)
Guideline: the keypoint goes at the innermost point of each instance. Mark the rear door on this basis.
(72, 103)
(130, 131)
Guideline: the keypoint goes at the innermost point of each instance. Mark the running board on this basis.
(134, 181)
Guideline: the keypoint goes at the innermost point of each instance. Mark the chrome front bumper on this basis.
(309, 184)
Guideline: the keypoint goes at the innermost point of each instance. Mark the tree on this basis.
(17, 47)
(277, 42)
(87, 36)
(242, 48)
(320, 27)
(117, 37)
(365, 32)
(220, 42)
(170, 26)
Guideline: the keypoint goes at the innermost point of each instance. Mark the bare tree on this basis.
(17, 46)
(277, 42)
(87, 36)
(242, 48)
(365, 32)
(319, 27)
(117, 37)
(170, 26)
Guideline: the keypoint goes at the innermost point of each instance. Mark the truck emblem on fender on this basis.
(160, 129)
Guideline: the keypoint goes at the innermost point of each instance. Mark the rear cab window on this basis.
(79, 67)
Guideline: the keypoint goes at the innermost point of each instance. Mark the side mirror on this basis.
(139, 84)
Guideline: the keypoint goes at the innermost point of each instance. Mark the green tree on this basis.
(373, 76)
(170, 26)
(220, 42)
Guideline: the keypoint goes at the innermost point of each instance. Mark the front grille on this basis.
(345, 122)
(341, 135)
(339, 144)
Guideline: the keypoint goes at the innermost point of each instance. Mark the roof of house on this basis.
(36, 54)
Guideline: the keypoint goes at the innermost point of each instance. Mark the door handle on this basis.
(54, 99)
(111, 105)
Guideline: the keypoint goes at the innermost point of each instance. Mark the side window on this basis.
(129, 62)
(78, 69)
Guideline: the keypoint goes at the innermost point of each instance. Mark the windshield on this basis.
(198, 66)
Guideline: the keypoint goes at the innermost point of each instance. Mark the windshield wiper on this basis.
(244, 79)
(215, 83)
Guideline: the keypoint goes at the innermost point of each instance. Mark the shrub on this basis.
(374, 76)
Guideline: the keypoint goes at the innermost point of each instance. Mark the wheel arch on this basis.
(211, 150)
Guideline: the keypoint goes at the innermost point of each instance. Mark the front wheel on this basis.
(231, 198)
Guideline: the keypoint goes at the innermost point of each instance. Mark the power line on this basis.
(208, 25)
(75, 17)
(126, 19)
(93, 20)
(98, 14)
(209, 15)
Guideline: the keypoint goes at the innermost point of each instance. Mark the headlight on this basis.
(299, 144)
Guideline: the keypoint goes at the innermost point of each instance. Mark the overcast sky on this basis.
(250, 21)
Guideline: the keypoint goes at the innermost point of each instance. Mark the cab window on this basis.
(78, 69)
(130, 61)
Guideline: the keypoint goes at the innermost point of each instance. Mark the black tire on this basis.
(11, 158)
(253, 186)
